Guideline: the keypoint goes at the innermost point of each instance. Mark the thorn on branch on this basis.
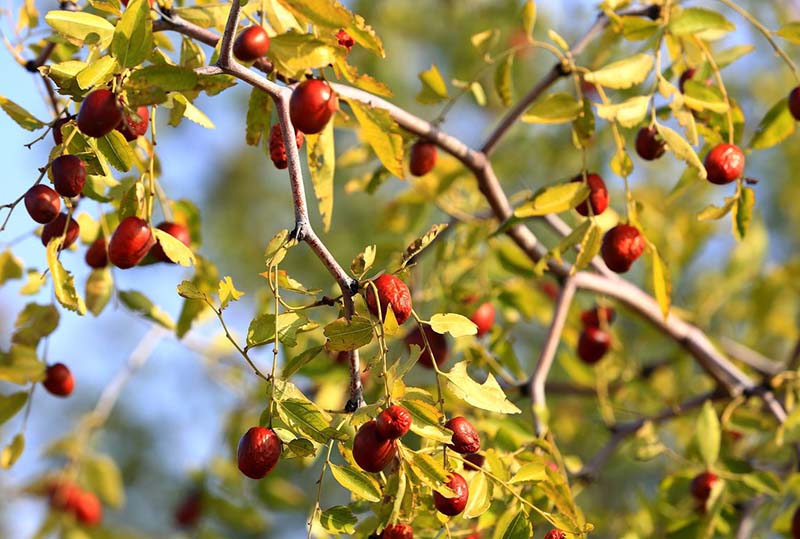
(355, 286)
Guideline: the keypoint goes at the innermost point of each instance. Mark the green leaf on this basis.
(343, 335)
(21, 366)
(743, 212)
(293, 53)
(621, 164)
(695, 20)
(99, 287)
(590, 246)
(419, 244)
(33, 323)
(306, 418)
(11, 404)
(790, 32)
(24, 119)
(321, 157)
(174, 248)
(529, 17)
(188, 290)
(429, 470)
(133, 38)
(699, 96)
(299, 361)
(116, 150)
(486, 396)
(728, 56)
(189, 111)
(635, 28)
(227, 292)
(98, 72)
(259, 108)
(357, 482)
(629, 113)
(554, 199)
(502, 81)
(712, 212)
(80, 27)
(662, 285)
(139, 303)
(775, 127)
(12, 451)
(63, 281)
(434, 89)
(454, 324)
(338, 519)
(425, 419)
(514, 524)
(682, 149)
(555, 108)
(622, 73)
(103, 478)
(480, 496)
(708, 434)
(363, 262)
(151, 85)
(382, 133)
(533, 471)
(262, 329)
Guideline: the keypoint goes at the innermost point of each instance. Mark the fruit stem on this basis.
(319, 484)
(718, 76)
(230, 338)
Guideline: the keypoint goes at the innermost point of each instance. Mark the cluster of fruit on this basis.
(83, 505)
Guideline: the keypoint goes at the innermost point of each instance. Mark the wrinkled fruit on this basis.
(598, 195)
(391, 291)
(622, 245)
(55, 229)
(438, 346)
(483, 317)
(97, 254)
(131, 127)
(594, 316)
(393, 422)
(69, 175)
(466, 439)
(397, 531)
(649, 145)
(258, 452)
(311, 106)
(422, 158)
(99, 114)
(724, 163)
(130, 242)
(58, 380)
(555, 534)
(453, 506)
(345, 40)
(371, 451)
(277, 149)
(475, 460)
(251, 44)
(175, 230)
(593, 344)
(42, 203)
(702, 484)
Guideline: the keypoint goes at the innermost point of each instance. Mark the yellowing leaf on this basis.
(12, 452)
(623, 73)
(357, 482)
(682, 149)
(662, 285)
(502, 81)
(227, 292)
(363, 261)
(555, 108)
(776, 126)
(790, 32)
(554, 199)
(434, 88)
(529, 17)
(293, 53)
(10, 266)
(454, 324)
(486, 396)
(419, 244)
(63, 281)
(629, 113)
(381, 132)
(24, 119)
(321, 166)
(743, 212)
(480, 496)
(695, 20)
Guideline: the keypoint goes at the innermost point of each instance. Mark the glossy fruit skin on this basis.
(702, 484)
(593, 317)
(555, 534)
(69, 175)
(796, 524)
(131, 128)
(393, 422)
(397, 531)
(622, 245)
(277, 150)
(188, 513)
(649, 145)
(311, 106)
(724, 163)
(258, 452)
(438, 346)
(483, 317)
(794, 102)
(466, 439)
(422, 157)
(598, 195)
(130, 242)
(42, 203)
(97, 254)
(391, 291)
(345, 40)
(55, 228)
(251, 44)
(371, 451)
(177, 231)
(453, 506)
(474, 461)
(57, 136)
(58, 380)
(99, 114)
(593, 345)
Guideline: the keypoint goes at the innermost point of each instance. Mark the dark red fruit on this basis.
(371, 451)
(453, 506)
(258, 452)
(345, 39)
(311, 106)
(55, 229)
(188, 513)
(42, 203)
(555, 534)
(593, 344)
(702, 484)
(466, 439)
(422, 158)
(724, 163)
(99, 114)
(685, 76)
(397, 531)
(133, 128)
(483, 317)
(593, 317)
(794, 103)
(69, 175)
(58, 380)
(97, 254)
(277, 150)
(251, 44)
(125, 3)
(474, 461)
(391, 291)
(796, 524)
(57, 136)
(622, 245)
(598, 195)
(393, 422)
(175, 230)
(438, 346)
(649, 145)
(130, 242)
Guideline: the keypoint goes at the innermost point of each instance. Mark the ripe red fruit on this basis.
(397, 531)
(593, 344)
(55, 229)
(99, 114)
(130, 242)
(796, 524)
(702, 484)
(391, 291)
(71, 498)
(277, 150)
(475, 461)
(57, 136)
(97, 254)
(345, 39)
(63, 496)
(393, 422)
(649, 145)
(622, 245)
(189, 511)
(598, 195)
(465, 438)
(258, 452)
(438, 346)
(794, 105)
(89, 510)
(453, 506)
(555, 534)
(685, 76)
(311, 106)
(125, 3)
(42, 203)
(58, 380)
(475, 535)
(422, 158)
(69, 175)
(130, 127)
(371, 451)
(724, 163)
(175, 230)
(251, 44)
(483, 317)
(592, 317)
